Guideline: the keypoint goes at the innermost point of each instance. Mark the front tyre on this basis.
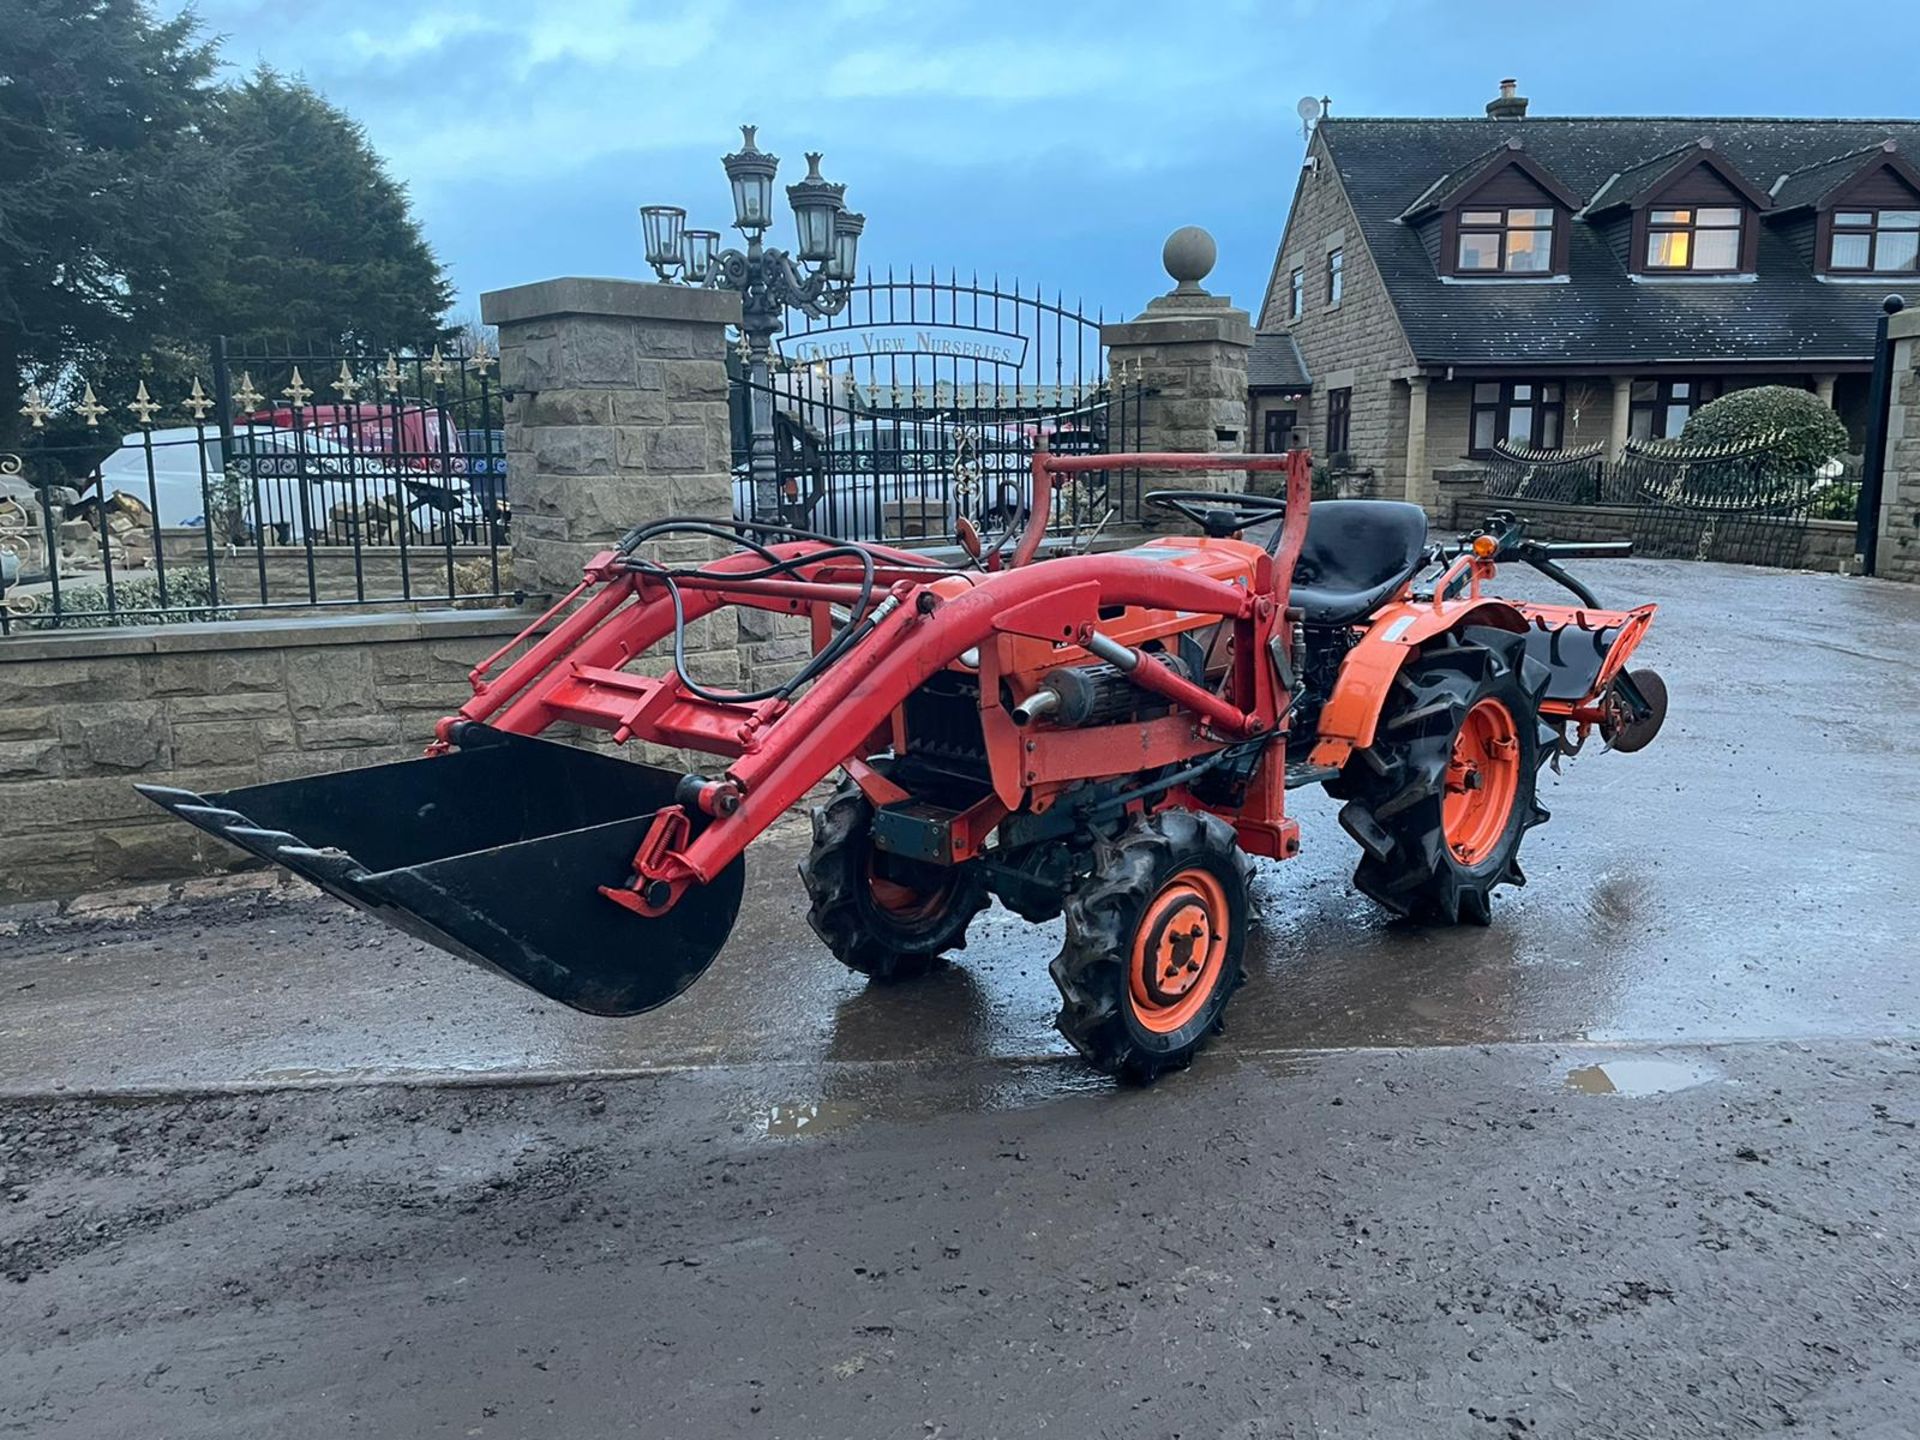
(1154, 944)
(886, 917)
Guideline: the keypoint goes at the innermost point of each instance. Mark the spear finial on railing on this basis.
(345, 383)
(298, 391)
(245, 397)
(36, 409)
(91, 408)
(142, 406)
(196, 404)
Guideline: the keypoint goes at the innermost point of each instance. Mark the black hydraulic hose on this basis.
(844, 638)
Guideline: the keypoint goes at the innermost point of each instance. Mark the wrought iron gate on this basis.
(923, 400)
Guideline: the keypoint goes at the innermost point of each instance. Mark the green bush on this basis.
(84, 607)
(1838, 501)
(1810, 433)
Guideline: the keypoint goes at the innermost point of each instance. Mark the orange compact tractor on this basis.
(1104, 735)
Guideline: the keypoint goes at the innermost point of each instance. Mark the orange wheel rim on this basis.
(1483, 777)
(1178, 951)
(903, 902)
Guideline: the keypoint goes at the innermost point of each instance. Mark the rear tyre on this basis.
(1154, 945)
(1443, 797)
(888, 918)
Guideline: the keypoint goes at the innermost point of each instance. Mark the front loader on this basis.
(1106, 736)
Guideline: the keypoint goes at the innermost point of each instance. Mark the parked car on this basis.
(272, 467)
(417, 437)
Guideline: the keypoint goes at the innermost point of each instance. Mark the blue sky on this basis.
(1051, 140)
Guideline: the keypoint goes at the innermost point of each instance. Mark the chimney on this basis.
(1508, 106)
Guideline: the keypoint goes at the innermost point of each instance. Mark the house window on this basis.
(1661, 408)
(1336, 276)
(1509, 242)
(1297, 293)
(1520, 412)
(1339, 417)
(1704, 239)
(1887, 241)
(1279, 431)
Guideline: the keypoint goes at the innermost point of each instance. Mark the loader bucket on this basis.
(495, 852)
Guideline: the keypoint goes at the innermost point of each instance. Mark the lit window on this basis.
(1510, 242)
(1520, 412)
(1297, 293)
(1886, 241)
(1336, 276)
(1706, 239)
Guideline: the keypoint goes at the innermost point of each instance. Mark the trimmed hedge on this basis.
(1811, 434)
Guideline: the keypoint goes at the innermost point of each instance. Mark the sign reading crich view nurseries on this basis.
(956, 342)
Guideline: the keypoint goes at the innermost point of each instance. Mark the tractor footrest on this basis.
(1305, 774)
(915, 830)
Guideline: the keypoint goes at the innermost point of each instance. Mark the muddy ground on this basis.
(1431, 1243)
(1638, 1160)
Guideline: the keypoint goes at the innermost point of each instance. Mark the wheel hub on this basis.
(1481, 781)
(1178, 950)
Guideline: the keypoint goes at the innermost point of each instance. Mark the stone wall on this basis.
(382, 573)
(84, 715)
(1899, 547)
(1357, 344)
(1826, 545)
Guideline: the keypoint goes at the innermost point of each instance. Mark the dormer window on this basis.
(1698, 239)
(1503, 216)
(1885, 242)
(1505, 242)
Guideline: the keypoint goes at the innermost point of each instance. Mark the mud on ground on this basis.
(1428, 1242)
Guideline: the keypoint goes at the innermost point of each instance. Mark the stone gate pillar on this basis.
(617, 414)
(1898, 547)
(1189, 351)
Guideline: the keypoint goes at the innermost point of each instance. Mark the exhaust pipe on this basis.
(1041, 702)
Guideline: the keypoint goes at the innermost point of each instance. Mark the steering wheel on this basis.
(1218, 514)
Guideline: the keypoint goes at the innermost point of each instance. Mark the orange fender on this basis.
(1367, 674)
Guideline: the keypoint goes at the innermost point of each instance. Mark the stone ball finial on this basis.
(1189, 255)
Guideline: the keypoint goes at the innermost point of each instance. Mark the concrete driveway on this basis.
(1747, 876)
(1638, 1160)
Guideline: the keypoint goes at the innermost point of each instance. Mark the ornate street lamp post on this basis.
(815, 277)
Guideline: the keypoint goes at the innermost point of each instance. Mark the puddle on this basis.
(787, 1121)
(1635, 1078)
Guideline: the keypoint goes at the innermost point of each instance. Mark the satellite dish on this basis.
(1309, 110)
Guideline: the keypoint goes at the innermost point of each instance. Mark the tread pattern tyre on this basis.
(849, 883)
(1170, 889)
(1439, 803)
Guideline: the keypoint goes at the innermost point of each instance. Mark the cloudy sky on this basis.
(1053, 140)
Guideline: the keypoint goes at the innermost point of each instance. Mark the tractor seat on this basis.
(1357, 553)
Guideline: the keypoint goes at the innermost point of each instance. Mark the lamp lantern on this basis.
(750, 170)
(816, 202)
(698, 251)
(661, 227)
(841, 266)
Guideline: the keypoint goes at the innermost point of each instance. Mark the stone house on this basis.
(1445, 283)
